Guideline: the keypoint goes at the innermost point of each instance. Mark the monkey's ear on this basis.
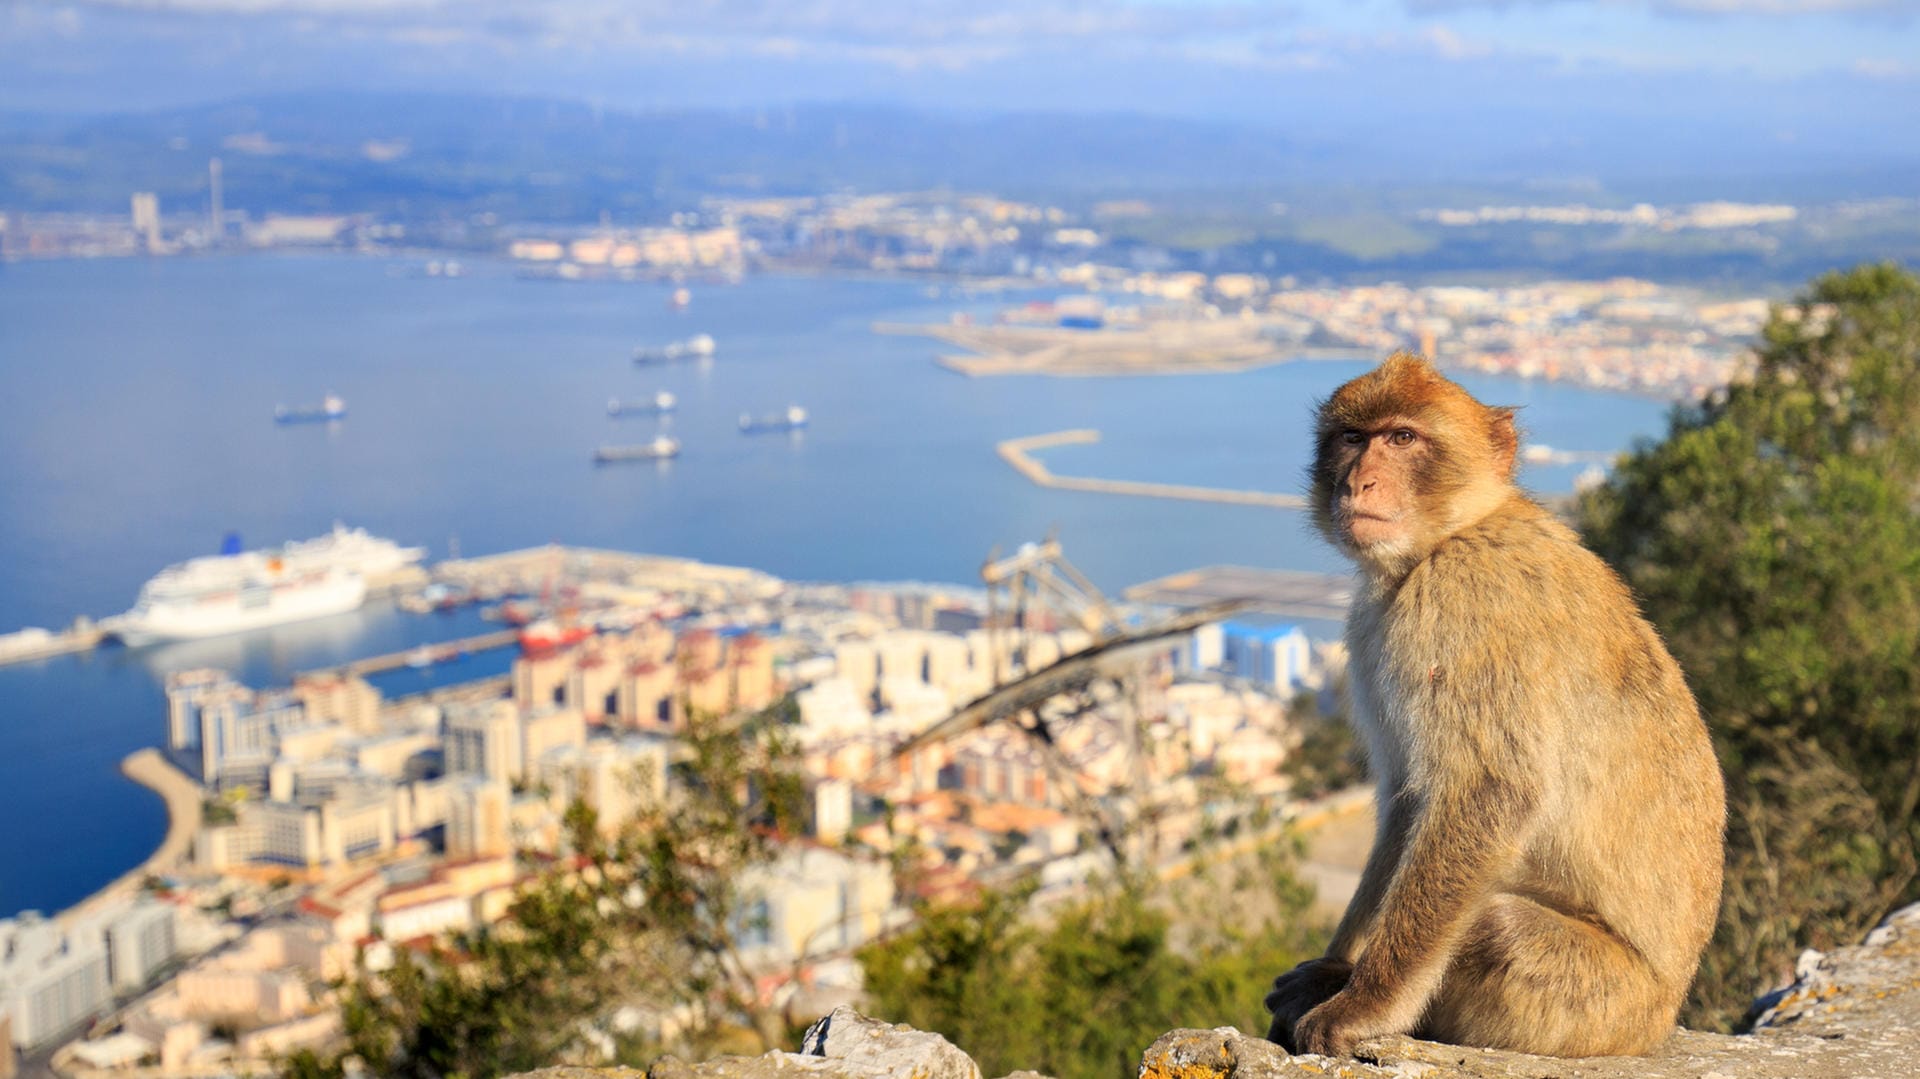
(1505, 435)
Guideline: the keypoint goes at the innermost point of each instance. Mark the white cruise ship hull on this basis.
(255, 605)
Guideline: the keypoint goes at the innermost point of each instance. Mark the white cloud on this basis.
(1885, 70)
(22, 22)
(1451, 46)
(940, 34)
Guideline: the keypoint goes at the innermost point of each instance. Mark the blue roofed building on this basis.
(1273, 655)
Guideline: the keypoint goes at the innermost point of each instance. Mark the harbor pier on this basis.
(1291, 593)
(27, 645)
(1017, 452)
(393, 661)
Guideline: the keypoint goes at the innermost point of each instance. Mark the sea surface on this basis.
(139, 398)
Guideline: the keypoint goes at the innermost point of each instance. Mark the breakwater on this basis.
(1018, 453)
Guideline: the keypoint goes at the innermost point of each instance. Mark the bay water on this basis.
(139, 398)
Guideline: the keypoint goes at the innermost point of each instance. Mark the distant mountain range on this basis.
(460, 171)
(423, 157)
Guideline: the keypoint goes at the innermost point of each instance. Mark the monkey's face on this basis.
(1377, 470)
(1404, 459)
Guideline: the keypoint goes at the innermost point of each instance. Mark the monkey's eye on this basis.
(1402, 437)
(1352, 437)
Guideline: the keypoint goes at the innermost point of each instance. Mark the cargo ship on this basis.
(330, 408)
(793, 419)
(698, 347)
(658, 405)
(239, 590)
(659, 449)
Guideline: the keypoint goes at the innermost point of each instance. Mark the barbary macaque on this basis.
(1546, 865)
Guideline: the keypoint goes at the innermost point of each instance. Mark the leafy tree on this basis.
(1328, 758)
(1774, 538)
(1078, 991)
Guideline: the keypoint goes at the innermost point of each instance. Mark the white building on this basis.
(813, 902)
(833, 708)
(613, 778)
(351, 822)
(484, 738)
(49, 982)
(832, 806)
(479, 818)
(138, 942)
(224, 732)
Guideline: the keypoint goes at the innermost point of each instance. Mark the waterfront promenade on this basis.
(1017, 452)
(151, 769)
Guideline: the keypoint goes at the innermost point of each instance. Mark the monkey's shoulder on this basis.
(1521, 566)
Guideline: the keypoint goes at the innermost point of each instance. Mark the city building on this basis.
(316, 829)
(484, 738)
(814, 901)
(1276, 656)
(139, 942)
(50, 982)
(479, 818)
(340, 698)
(224, 733)
(612, 777)
(146, 219)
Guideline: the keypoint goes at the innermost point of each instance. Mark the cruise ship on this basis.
(238, 590)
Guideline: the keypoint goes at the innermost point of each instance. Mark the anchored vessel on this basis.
(793, 419)
(331, 407)
(698, 347)
(657, 450)
(659, 405)
(240, 590)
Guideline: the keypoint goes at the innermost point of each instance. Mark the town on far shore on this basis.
(1121, 306)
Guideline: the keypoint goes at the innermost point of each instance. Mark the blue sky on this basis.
(1807, 78)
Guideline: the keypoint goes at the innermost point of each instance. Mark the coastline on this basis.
(150, 768)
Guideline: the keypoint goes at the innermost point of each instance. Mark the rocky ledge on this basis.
(1853, 1013)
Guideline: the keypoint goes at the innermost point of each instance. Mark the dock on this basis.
(29, 645)
(537, 570)
(1017, 452)
(393, 661)
(1289, 593)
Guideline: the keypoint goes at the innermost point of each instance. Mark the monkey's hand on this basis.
(1334, 1028)
(1301, 990)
